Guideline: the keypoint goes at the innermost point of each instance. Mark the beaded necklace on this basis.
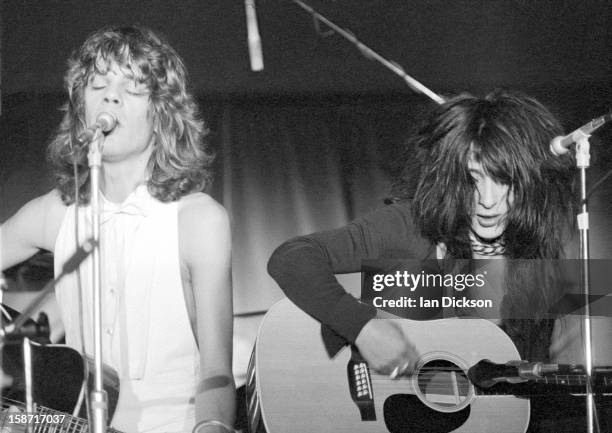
(495, 248)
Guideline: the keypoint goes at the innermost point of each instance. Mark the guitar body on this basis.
(293, 385)
(57, 379)
(57, 375)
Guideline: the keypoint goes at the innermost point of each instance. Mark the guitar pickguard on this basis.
(400, 411)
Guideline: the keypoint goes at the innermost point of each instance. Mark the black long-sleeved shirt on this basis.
(305, 267)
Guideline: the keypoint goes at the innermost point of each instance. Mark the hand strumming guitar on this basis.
(386, 348)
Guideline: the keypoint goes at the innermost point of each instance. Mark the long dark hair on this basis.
(180, 162)
(509, 134)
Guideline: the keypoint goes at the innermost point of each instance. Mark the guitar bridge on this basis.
(360, 386)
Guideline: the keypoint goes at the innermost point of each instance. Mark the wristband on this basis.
(211, 422)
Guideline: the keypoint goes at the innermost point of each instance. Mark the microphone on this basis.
(255, 53)
(560, 145)
(105, 122)
(486, 373)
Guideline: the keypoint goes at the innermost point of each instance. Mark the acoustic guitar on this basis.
(294, 386)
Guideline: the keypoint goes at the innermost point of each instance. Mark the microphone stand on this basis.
(98, 397)
(582, 163)
(3, 287)
(371, 54)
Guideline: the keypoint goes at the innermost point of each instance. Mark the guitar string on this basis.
(564, 377)
(559, 379)
(581, 377)
(464, 383)
(39, 426)
(463, 388)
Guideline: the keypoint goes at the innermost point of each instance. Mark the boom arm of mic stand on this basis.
(71, 264)
(373, 55)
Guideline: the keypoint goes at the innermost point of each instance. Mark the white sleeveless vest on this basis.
(146, 333)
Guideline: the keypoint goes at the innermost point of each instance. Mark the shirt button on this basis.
(109, 331)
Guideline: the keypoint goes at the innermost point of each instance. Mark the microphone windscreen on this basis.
(106, 121)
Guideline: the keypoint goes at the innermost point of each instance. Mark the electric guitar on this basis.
(58, 390)
(294, 386)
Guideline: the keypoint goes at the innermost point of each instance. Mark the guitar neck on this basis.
(602, 377)
(572, 383)
(44, 419)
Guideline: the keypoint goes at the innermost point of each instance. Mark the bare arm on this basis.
(33, 227)
(205, 244)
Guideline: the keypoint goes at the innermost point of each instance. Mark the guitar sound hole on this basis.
(443, 385)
